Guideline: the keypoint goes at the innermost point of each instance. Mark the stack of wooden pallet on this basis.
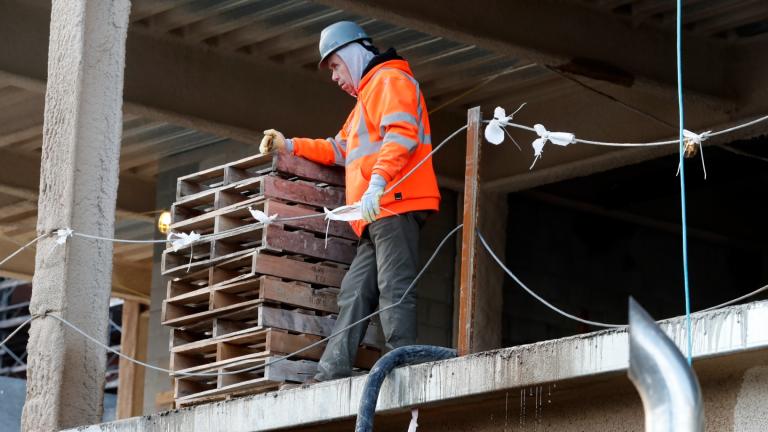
(249, 292)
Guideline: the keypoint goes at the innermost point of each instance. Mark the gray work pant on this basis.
(385, 265)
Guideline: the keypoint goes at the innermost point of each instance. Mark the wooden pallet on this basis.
(254, 166)
(294, 191)
(238, 215)
(182, 300)
(215, 353)
(255, 262)
(191, 390)
(270, 238)
(250, 316)
(250, 291)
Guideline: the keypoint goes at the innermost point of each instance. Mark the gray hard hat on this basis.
(337, 35)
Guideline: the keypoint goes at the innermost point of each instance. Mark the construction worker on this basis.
(385, 136)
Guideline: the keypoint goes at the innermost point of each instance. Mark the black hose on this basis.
(407, 355)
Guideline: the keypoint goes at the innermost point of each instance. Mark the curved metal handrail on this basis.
(667, 385)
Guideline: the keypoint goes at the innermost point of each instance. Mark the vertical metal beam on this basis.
(78, 190)
(133, 343)
(468, 283)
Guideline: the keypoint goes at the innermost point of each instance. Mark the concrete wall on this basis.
(735, 399)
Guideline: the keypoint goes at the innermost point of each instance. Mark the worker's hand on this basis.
(272, 141)
(369, 203)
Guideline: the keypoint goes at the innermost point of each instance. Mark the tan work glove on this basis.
(272, 141)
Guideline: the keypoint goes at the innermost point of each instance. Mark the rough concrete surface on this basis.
(78, 188)
(751, 411)
(583, 376)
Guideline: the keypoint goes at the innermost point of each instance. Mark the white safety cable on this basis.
(115, 240)
(613, 144)
(106, 347)
(595, 323)
(538, 297)
(418, 276)
(646, 144)
(741, 126)
(18, 329)
(736, 300)
(423, 161)
(277, 360)
(18, 251)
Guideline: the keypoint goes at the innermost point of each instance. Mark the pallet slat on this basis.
(262, 289)
(188, 389)
(253, 314)
(308, 170)
(253, 166)
(211, 354)
(266, 186)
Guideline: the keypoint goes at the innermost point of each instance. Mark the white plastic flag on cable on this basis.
(347, 213)
(261, 216)
(414, 417)
(559, 138)
(495, 131)
(63, 234)
(694, 139)
(180, 240)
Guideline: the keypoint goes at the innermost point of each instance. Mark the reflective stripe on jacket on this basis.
(387, 133)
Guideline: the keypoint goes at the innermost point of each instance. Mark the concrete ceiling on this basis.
(202, 72)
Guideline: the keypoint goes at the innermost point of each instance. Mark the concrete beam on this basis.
(78, 189)
(563, 35)
(721, 334)
(20, 177)
(212, 89)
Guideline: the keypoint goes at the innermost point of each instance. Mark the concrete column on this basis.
(78, 189)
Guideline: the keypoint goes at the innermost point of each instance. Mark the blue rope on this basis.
(682, 181)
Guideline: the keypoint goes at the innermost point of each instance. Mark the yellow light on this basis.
(164, 222)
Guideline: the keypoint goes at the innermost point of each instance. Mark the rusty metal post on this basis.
(468, 282)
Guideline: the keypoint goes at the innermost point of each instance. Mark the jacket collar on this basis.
(389, 59)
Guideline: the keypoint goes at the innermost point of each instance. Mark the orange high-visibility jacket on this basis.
(387, 133)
